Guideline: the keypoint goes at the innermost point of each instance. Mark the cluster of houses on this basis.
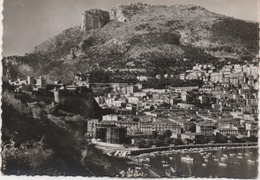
(162, 107)
(226, 104)
(118, 127)
(230, 75)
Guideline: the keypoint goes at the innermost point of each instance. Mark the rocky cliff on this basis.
(144, 12)
(94, 19)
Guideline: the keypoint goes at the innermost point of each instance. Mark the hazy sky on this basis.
(30, 22)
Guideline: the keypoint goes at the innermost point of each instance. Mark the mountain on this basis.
(140, 36)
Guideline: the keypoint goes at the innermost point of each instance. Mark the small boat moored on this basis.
(222, 164)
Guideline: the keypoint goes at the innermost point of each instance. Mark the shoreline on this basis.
(188, 150)
(129, 153)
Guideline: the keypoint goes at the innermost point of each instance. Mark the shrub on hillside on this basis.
(30, 155)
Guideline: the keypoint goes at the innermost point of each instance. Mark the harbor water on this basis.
(239, 163)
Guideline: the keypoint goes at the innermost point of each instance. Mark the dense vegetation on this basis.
(230, 30)
(36, 140)
(157, 140)
(35, 145)
(175, 82)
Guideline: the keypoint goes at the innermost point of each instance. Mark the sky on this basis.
(27, 23)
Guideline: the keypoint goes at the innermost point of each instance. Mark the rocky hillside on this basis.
(140, 36)
(38, 140)
(144, 12)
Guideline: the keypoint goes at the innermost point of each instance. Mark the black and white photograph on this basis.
(130, 88)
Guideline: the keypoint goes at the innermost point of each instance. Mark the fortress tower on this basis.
(94, 19)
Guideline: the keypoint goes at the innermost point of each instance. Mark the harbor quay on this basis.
(194, 147)
(121, 151)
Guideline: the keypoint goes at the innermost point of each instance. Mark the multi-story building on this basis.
(144, 127)
(41, 82)
(205, 128)
(30, 80)
(92, 127)
(251, 70)
(249, 109)
(251, 125)
(110, 117)
(228, 131)
(149, 127)
(132, 127)
(142, 78)
(111, 133)
(133, 99)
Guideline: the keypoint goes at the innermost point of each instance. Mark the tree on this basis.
(99, 76)
(220, 138)
(189, 141)
(167, 134)
(178, 142)
(148, 143)
(140, 143)
(234, 139)
(198, 141)
(157, 142)
(192, 128)
(252, 139)
(154, 135)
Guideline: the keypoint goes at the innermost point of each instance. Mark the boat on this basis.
(222, 158)
(172, 170)
(222, 164)
(147, 165)
(203, 164)
(239, 157)
(225, 155)
(171, 158)
(215, 159)
(163, 162)
(250, 161)
(166, 165)
(187, 159)
(240, 154)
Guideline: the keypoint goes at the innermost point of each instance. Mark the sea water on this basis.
(226, 163)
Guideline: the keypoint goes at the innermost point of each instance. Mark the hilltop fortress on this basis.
(96, 18)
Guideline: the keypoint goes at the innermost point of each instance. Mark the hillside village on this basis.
(225, 105)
